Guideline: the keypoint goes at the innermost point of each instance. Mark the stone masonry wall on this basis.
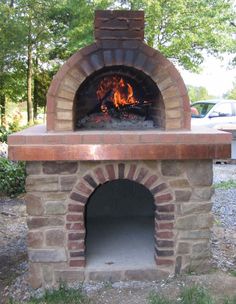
(56, 197)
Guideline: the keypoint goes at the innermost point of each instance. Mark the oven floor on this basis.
(120, 243)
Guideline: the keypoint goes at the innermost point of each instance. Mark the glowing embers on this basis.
(115, 101)
(115, 92)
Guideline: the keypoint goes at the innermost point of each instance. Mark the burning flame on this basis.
(116, 90)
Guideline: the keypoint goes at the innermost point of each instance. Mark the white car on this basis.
(213, 113)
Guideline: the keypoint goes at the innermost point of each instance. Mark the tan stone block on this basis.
(71, 83)
(64, 104)
(35, 276)
(59, 167)
(65, 115)
(196, 207)
(202, 194)
(172, 103)
(55, 237)
(77, 75)
(199, 172)
(170, 92)
(35, 239)
(39, 222)
(41, 183)
(171, 168)
(55, 208)
(33, 168)
(179, 183)
(67, 182)
(166, 83)
(172, 124)
(55, 196)
(66, 94)
(63, 125)
(183, 248)
(173, 114)
(47, 255)
(194, 221)
(34, 204)
(195, 234)
(47, 271)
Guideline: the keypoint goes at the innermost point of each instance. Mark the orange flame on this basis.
(117, 91)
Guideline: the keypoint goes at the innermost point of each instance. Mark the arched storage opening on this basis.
(119, 221)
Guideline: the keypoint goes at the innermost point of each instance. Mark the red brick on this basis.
(76, 245)
(111, 139)
(90, 180)
(100, 175)
(159, 188)
(162, 226)
(164, 216)
(75, 236)
(141, 175)
(75, 226)
(131, 173)
(130, 138)
(165, 208)
(163, 262)
(164, 198)
(78, 197)
(92, 139)
(75, 208)
(165, 234)
(77, 263)
(74, 217)
(150, 181)
(84, 189)
(111, 172)
(121, 170)
(76, 254)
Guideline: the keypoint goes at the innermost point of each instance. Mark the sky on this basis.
(215, 76)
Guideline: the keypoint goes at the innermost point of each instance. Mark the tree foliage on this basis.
(183, 30)
(231, 94)
(36, 36)
(198, 93)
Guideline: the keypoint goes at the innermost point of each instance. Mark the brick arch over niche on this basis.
(163, 200)
(136, 54)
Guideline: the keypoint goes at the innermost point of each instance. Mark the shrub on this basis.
(12, 177)
(3, 134)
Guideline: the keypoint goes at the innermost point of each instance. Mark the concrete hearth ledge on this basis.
(36, 144)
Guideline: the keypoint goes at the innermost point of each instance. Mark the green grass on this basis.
(63, 295)
(225, 185)
(190, 295)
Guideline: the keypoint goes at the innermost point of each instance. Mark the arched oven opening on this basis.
(120, 226)
(118, 97)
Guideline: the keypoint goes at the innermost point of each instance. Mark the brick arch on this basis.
(163, 201)
(86, 61)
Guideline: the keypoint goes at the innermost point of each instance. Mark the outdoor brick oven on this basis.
(107, 199)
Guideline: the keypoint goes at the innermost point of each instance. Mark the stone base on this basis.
(57, 193)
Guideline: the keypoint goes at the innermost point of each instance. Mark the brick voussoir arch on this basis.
(63, 88)
(139, 173)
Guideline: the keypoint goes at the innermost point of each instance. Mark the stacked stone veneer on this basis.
(57, 193)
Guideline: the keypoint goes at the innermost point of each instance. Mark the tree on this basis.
(232, 93)
(11, 70)
(197, 93)
(183, 30)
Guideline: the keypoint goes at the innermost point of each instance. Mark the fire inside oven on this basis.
(116, 98)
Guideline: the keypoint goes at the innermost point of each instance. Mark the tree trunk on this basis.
(29, 79)
(36, 85)
(3, 109)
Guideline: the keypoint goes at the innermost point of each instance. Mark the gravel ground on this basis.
(13, 255)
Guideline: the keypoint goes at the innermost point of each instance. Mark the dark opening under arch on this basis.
(119, 222)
